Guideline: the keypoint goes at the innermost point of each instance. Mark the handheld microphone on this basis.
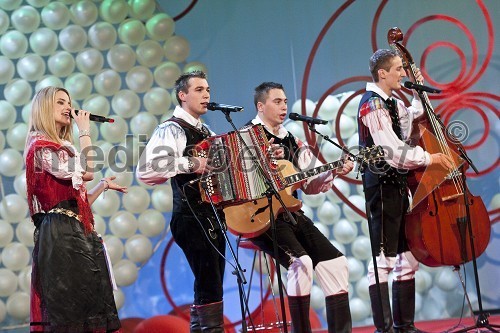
(99, 119)
(307, 119)
(419, 87)
(224, 107)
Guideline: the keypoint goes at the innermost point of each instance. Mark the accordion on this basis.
(236, 177)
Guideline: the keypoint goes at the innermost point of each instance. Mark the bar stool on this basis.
(266, 267)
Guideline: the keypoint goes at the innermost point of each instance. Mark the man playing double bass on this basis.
(387, 122)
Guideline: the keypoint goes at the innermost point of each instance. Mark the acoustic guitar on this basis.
(252, 219)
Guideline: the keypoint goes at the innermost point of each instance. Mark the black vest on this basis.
(381, 172)
(192, 192)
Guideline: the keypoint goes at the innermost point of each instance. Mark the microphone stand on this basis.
(270, 192)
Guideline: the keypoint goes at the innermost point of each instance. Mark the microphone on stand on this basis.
(307, 119)
(99, 119)
(224, 107)
(419, 87)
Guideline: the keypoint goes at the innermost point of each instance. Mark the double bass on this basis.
(437, 224)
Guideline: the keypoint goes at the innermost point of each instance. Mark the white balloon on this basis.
(73, 38)
(358, 202)
(328, 213)
(362, 289)
(138, 248)
(162, 198)
(166, 74)
(317, 298)
(423, 281)
(10, 4)
(151, 222)
(107, 204)
(308, 211)
(7, 69)
(176, 48)
(361, 248)
(139, 79)
(195, 66)
(103, 147)
(107, 82)
(351, 109)
(78, 85)
(61, 64)
(24, 279)
(99, 225)
(11, 162)
(84, 13)
(6, 233)
(18, 92)
(15, 256)
(125, 272)
(143, 123)
(7, 115)
(96, 104)
(121, 57)
(310, 106)
(348, 126)
(46, 81)
(296, 129)
(157, 100)
(137, 199)
(115, 248)
(4, 25)
(313, 200)
(119, 298)
(344, 231)
(364, 227)
(102, 35)
(25, 19)
(126, 103)
(329, 108)
(114, 133)
(338, 246)
(127, 153)
(323, 229)
(356, 269)
(123, 224)
(8, 282)
(160, 27)
(131, 31)
(3, 311)
(114, 11)
(342, 186)
(38, 3)
(24, 232)
(55, 15)
(43, 42)
(31, 67)
(330, 152)
(166, 115)
(446, 280)
(18, 305)
(2, 141)
(13, 44)
(89, 61)
(122, 178)
(142, 9)
(359, 310)
(149, 53)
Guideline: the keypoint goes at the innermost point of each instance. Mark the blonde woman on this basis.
(72, 289)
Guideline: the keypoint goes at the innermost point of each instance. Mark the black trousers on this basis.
(386, 206)
(204, 247)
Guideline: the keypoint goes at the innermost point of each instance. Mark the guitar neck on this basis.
(300, 176)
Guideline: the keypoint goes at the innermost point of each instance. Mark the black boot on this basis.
(299, 311)
(403, 302)
(194, 320)
(211, 317)
(382, 318)
(338, 314)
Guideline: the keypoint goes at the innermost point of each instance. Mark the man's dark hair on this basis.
(381, 59)
(262, 90)
(182, 83)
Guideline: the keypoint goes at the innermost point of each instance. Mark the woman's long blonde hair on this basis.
(42, 119)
